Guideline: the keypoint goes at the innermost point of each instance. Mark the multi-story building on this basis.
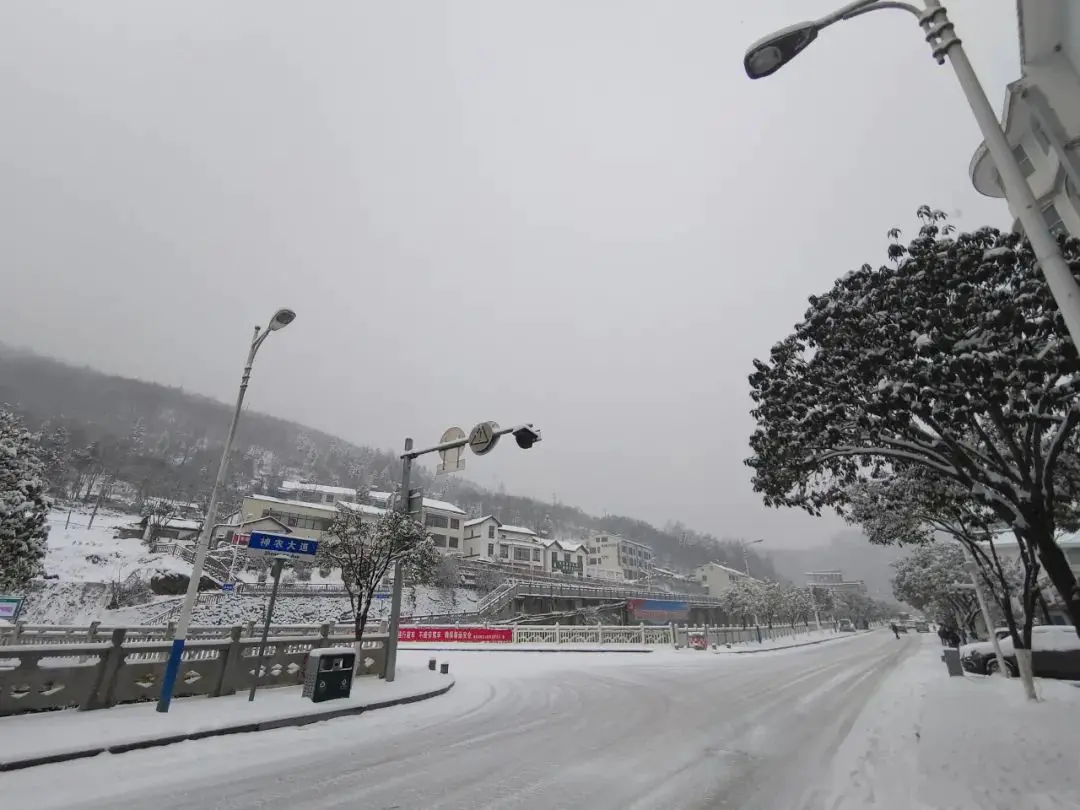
(303, 518)
(1041, 117)
(488, 538)
(611, 556)
(716, 578)
(565, 557)
(834, 581)
(315, 493)
(443, 520)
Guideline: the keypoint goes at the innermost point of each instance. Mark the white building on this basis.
(565, 557)
(315, 493)
(488, 538)
(310, 518)
(443, 520)
(716, 578)
(1041, 117)
(611, 556)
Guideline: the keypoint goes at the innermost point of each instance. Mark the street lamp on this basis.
(768, 55)
(746, 556)
(281, 319)
(482, 440)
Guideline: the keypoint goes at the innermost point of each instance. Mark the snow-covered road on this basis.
(521, 730)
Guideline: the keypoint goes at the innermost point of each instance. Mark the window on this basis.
(452, 542)
(491, 532)
(1026, 166)
(566, 557)
(455, 523)
(503, 551)
(435, 521)
(491, 549)
(440, 540)
(1053, 220)
(521, 554)
(330, 498)
(1040, 136)
(579, 563)
(536, 555)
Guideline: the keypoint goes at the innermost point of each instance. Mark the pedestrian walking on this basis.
(895, 629)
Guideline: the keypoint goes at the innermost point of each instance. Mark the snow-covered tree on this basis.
(913, 505)
(925, 579)
(953, 358)
(24, 506)
(743, 602)
(366, 550)
(797, 605)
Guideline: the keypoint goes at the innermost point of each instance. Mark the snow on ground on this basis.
(81, 554)
(65, 603)
(34, 735)
(929, 741)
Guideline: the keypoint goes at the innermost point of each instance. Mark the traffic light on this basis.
(526, 437)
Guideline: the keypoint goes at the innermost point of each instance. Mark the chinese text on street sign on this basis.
(282, 544)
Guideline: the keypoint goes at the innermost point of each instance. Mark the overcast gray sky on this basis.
(578, 213)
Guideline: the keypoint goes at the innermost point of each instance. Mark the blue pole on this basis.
(171, 669)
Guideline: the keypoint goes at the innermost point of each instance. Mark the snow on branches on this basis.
(954, 359)
(926, 580)
(24, 507)
(365, 550)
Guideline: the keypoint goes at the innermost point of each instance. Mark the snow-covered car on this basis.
(922, 627)
(846, 626)
(1055, 653)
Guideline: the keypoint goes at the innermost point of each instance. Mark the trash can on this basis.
(951, 657)
(329, 674)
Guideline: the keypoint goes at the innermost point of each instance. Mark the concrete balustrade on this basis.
(128, 667)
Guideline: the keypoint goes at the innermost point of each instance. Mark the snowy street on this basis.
(604, 732)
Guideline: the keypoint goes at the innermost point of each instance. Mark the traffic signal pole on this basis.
(526, 437)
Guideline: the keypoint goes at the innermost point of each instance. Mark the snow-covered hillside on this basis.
(81, 554)
(83, 562)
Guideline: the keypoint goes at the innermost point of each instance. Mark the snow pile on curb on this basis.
(930, 741)
(65, 733)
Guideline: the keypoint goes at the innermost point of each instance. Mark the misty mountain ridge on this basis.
(184, 432)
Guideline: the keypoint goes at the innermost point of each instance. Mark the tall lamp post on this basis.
(746, 556)
(281, 319)
(482, 439)
(768, 55)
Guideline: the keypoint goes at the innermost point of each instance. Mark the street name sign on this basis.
(267, 543)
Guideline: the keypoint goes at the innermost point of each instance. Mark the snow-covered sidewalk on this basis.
(31, 739)
(930, 741)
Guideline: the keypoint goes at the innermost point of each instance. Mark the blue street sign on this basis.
(283, 544)
(228, 586)
(382, 596)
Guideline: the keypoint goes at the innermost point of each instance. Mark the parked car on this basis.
(846, 626)
(1055, 653)
(922, 627)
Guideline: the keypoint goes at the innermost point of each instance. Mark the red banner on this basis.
(424, 633)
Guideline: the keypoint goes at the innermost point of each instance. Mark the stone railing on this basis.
(593, 634)
(129, 668)
(722, 636)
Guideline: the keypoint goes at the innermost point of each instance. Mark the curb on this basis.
(241, 728)
(793, 646)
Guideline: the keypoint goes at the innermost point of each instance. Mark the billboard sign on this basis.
(657, 611)
(457, 635)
